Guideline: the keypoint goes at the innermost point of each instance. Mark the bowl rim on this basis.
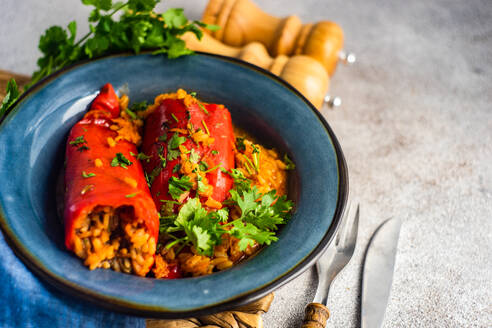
(143, 311)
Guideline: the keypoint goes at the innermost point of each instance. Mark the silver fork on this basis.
(330, 264)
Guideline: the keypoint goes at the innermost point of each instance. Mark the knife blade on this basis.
(378, 271)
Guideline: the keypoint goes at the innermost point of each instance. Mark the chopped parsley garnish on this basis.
(138, 106)
(176, 168)
(256, 152)
(202, 107)
(241, 183)
(83, 148)
(88, 175)
(212, 169)
(131, 113)
(179, 186)
(143, 157)
(203, 166)
(151, 177)
(194, 156)
(193, 94)
(248, 164)
(163, 161)
(131, 195)
(289, 165)
(86, 189)
(206, 127)
(173, 146)
(201, 186)
(120, 160)
(78, 141)
(240, 144)
(174, 117)
(214, 152)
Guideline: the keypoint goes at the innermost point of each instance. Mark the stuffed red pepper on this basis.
(110, 218)
(190, 145)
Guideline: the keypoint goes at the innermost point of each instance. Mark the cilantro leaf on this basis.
(200, 185)
(151, 177)
(11, 96)
(143, 157)
(139, 106)
(99, 4)
(88, 175)
(289, 165)
(142, 5)
(173, 146)
(249, 233)
(194, 156)
(77, 141)
(120, 160)
(240, 144)
(263, 215)
(174, 18)
(178, 186)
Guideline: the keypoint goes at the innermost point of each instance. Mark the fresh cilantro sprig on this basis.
(138, 27)
(132, 25)
(241, 183)
(202, 229)
(260, 216)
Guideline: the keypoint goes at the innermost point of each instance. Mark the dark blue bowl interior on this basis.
(32, 141)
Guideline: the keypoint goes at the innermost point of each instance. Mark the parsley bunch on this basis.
(260, 216)
(132, 25)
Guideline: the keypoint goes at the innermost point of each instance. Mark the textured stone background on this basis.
(416, 128)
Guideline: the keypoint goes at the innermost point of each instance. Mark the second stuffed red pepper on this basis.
(190, 143)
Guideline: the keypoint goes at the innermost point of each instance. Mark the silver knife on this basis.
(378, 273)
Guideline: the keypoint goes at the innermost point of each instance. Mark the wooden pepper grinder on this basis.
(304, 73)
(242, 22)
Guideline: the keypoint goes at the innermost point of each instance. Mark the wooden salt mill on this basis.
(242, 22)
(304, 73)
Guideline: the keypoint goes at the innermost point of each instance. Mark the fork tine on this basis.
(343, 223)
(351, 233)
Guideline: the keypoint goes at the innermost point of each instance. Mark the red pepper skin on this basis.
(219, 124)
(107, 102)
(174, 272)
(108, 185)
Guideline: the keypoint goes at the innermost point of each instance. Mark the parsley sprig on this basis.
(260, 216)
(132, 25)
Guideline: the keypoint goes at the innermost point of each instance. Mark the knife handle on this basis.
(315, 316)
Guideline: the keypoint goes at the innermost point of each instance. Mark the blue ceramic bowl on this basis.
(32, 140)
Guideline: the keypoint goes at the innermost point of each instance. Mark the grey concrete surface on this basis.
(416, 129)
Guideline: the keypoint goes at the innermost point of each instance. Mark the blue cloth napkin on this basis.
(25, 301)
